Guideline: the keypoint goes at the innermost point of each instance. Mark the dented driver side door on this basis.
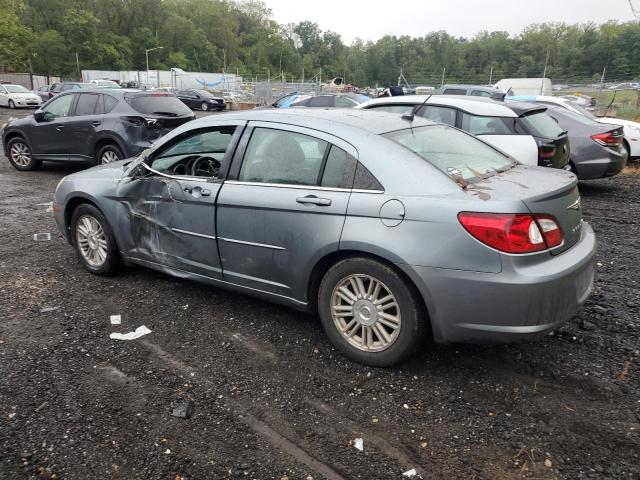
(172, 202)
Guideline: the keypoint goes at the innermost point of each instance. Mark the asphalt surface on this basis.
(272, 399)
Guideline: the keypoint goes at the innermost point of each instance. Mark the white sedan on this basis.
(15, 96)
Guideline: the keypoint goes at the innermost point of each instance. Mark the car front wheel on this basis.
(204, 106)
(94, 241)
(12, 104)
(370, 313)
(20, 155)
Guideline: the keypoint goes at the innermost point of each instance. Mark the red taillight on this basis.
(513, 232)
(546, 152)
(608, 139)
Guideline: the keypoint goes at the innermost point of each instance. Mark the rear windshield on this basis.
(157, 104)
(540, 124)
(455, 153)
(576, 117)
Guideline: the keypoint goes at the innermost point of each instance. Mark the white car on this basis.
(523, 131)
(15, 96)
(631, 129)
(105, 84)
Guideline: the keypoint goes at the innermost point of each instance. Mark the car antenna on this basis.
(410, 116)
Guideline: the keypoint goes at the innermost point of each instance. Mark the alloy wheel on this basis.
(108, 156)
(11, 104)
(92, 241)
(366, 313)
(204, 107)
(20, 154)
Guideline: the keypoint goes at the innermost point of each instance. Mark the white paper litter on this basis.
(139, 332)
(49, 206)
(410, 473)
(359, 444)
(115, 319)
(39, 237)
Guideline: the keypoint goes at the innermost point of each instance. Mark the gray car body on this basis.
(590, 159)
(257, 239)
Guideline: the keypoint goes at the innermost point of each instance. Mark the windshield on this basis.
(164, 104)
(457, 154)
(204, 93)
(581, 110)
(16, 89)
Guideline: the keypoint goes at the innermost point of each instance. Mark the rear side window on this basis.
(439, 114)
(453, 152)
(401, 109)
(540, 124)
(86, 104)
(480, 93)
(278, 156)
(455, 91)
(365, 180)
(339, 169)
(109, 103)
(478, 125)
(157, 104)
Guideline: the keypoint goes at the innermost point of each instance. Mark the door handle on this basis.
(313, 200)
(96, 123)
(198, 191)
(60, 128)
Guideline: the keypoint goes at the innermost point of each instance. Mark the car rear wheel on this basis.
(370, 313)
(20, 155)
(108, 154)
(94, 241)
(12, 104)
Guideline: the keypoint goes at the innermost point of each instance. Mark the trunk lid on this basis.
(543, 191)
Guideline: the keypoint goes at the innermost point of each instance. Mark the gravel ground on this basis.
(272, 399)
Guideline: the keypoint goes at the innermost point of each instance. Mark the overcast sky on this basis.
(371, 20)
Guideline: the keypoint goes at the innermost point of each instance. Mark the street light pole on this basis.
(146, 53)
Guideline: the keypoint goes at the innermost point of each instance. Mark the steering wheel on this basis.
(205, 166)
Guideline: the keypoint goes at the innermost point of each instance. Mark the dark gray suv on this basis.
(92, 126)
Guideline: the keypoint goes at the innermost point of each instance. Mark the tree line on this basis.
(58, 36)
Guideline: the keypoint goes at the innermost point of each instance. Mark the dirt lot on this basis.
(272, 399)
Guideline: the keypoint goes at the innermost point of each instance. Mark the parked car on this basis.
(93, 126)
(522, 130)
(16, 96)
(331, 100)
(631, 130)
(287, 100)
(201, 100)
(389, 230)
(596, 148)
(57, 88)
(104, 84)
(43, 92)
(473, 90)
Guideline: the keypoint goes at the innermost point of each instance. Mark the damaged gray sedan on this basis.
(392, 229)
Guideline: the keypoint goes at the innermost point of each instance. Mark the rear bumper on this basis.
(520, 303)
(607, 166)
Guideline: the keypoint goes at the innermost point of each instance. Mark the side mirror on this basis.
(40, 115)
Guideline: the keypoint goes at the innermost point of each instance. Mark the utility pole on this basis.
(544, 73)
(444, 69)
(78, 65)
(302, 75)
(604, 70)
(146, 53)
(491, 76)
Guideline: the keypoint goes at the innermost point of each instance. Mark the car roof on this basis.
(473, 105)
(331, 121)
(483, 88)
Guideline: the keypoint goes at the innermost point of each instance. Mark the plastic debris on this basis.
(358, 443)
(139, 332)
(115, 319)
(49, 206)
(41, 237)
(184, 410)
(410, 473)
(167, 451)
(48, 309)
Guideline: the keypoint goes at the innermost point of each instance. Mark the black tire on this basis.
(627, 148)
(413, 325)
(112, 262)
(11, 104)
(108, 150)
(17, 148)
(204, 106)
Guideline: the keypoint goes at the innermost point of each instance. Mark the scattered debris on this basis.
(41, 406)
(375, 419)
(410, 473)
(424, 444)
(49, 206)
(139, 332)
(167, 451)
(547, 463)
(184, 410)
(115, 319)
(405, 406)
(622, 376)
(358, 443)
(41, 237)
(48, 309)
